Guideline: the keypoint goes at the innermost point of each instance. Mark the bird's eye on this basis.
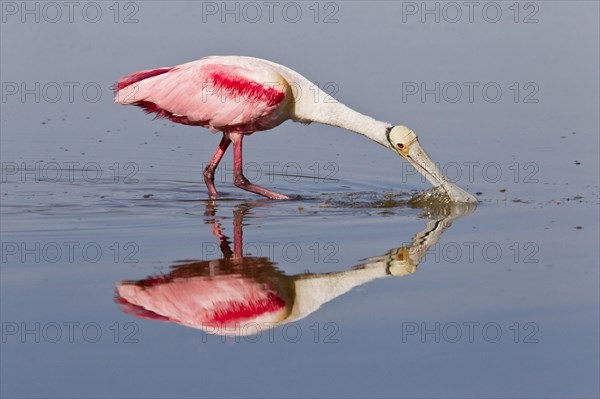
(400, 145)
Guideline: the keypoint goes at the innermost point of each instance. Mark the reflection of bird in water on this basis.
(220, 292)
(224, 296)
(242, 95)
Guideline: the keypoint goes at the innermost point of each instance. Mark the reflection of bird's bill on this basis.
(417, 156)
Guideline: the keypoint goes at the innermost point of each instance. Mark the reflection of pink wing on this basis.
(200, 302)
(209, 93)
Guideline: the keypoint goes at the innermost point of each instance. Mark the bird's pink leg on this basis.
(238, 177)
(209, 171)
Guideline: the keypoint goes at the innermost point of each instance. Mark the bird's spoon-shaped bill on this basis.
(404, 141)
(417, 156)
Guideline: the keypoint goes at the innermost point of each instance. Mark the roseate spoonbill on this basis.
(244, 295)
(241, 95)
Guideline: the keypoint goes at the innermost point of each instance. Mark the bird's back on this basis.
(227, 94)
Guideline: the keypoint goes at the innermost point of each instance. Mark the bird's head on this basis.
(404, 141)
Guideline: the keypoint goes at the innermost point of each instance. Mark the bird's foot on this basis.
(277, 196)
(243, 183)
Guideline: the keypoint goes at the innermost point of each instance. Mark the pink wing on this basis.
(199, 302)
(222, 97)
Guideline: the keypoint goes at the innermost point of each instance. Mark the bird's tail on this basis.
(127, 89)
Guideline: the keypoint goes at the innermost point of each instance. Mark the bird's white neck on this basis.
(334, 113)
(311, 104)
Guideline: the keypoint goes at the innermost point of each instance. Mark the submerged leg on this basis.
(238, 177)
(209, 171)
